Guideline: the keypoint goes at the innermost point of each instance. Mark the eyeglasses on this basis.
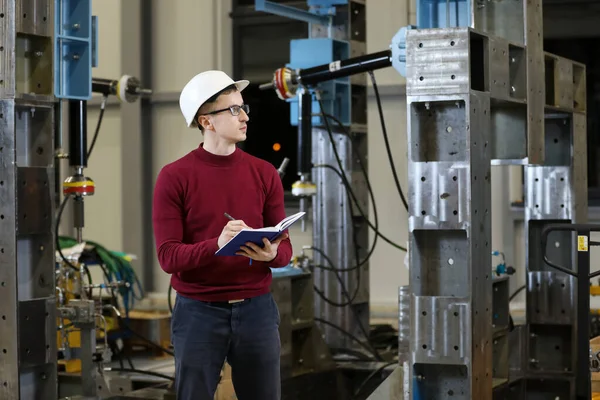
(235, 110)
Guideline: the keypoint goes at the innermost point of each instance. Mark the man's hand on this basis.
(230, 230)
(267, 253)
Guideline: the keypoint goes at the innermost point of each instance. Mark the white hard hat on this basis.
(201, 88)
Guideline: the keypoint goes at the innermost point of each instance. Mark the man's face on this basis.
(227, 126)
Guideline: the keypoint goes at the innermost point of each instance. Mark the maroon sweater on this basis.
(190, 198)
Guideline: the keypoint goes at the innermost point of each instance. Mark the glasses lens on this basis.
(235, 110)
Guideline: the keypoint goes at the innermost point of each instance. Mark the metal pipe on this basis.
(344, 68)
(282, 167)
(78, 217)
(78, 133)
(105, 86)
(304, 132)
(286, 81)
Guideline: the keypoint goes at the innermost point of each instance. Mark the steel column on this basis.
(556, 192)
(28, 365)
(136, 141)
(339, 230)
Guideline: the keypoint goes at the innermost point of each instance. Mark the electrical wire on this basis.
(349, 298)
(102, 108)
(61, 209)
(371, 375)
(351, 194)
(386, 140)
(516, 292)
(115, 268)
(108, 255)
(145, 339)
(352, 216)
(348, 334)
(345, 179)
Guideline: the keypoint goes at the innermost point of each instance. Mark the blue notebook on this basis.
(256, 235)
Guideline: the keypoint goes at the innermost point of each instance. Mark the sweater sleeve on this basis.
(168, 221)
(273, 213)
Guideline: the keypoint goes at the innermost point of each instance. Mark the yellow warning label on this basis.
(582, 243)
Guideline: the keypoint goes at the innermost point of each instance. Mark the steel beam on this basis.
(136, 142)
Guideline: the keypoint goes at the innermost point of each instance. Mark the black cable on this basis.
(102, 108)
(357, 355)
(129, 361)
(361, 164)
(61, 209)
(67, 262)
(345, 179)
(372, 249)
(387, 143)
(150, 342)
(351, 336)
(139, 371)
(363, 169)
(350, 299)
(371, 375)
(516, 292)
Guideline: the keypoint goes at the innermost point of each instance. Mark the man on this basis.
(224, 309)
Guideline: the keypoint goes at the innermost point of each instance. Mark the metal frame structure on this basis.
(496, 99)
(28, 308)
(47, 52)
(340, 234)
(481, 91)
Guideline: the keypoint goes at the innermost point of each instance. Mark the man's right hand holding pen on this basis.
(231, 229)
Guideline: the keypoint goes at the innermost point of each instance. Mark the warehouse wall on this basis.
(388, 269)
(201, 40)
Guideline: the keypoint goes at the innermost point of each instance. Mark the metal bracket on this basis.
(293, 12)
(398, 48)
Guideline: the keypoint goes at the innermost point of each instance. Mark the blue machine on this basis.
(310, 52)
(76, 50)
(306, 53)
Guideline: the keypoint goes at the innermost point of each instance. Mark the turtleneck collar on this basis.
(218, 160)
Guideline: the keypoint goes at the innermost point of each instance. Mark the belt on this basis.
(226, 303)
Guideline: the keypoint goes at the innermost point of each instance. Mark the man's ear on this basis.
(205, 122)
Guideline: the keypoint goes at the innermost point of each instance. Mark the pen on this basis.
(233, 219)
(230, 217)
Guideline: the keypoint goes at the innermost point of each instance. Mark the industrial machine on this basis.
(49, 313)
(481, 92)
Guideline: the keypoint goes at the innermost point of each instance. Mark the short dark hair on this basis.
(229, 89)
